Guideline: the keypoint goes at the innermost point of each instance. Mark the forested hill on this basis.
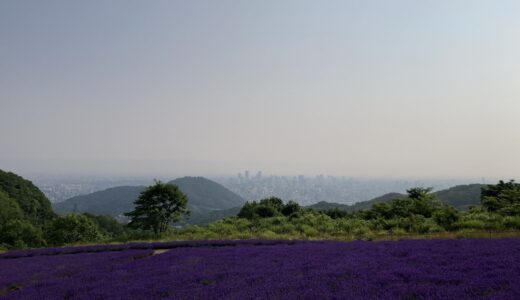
(460, 196)
(323, 205)
(34, 206)
(24, 212)
(204, 196)
(113, 201)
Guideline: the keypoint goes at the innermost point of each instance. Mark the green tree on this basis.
(157, 206)
(9, 209)
(266, 208)
(72, 228)
(446, 216)
(266, 211)
(15, 230)
(418, 192)
(290, 208)
(248, 210)
(503, 197)
(335, 213)
(19, 233)
(423, 202)
(274, 202)
(108, 225)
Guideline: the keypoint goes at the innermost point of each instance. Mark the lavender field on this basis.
(411, 269)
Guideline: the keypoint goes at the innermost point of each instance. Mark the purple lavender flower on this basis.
(412, 269)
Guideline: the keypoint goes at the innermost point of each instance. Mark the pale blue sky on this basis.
(356, 88)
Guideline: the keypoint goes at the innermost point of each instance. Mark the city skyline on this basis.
(256, 185)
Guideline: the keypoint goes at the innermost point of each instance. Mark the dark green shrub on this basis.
(73, 228)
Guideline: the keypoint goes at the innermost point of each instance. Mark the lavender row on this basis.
(414, 269)
(27, 271)
(135, 246)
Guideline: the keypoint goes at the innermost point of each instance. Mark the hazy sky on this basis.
(355, 88)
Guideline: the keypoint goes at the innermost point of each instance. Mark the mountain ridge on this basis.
(460, 196)
(203, 195)
(208, 206)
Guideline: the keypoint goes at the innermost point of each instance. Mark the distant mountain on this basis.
(212, 216)
(460, 196)
(384, 198)
(205, 197)
(113, 201)
(323, 205)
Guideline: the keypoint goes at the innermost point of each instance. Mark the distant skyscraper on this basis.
(247, 175)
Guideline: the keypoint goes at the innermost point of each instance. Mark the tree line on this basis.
(26, 219)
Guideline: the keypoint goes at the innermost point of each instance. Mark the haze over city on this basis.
(369, 88)
(268, 149)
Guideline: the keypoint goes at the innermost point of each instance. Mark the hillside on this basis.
(212, 216)
(113, 201)
(323, 205)
(368, 204)
(204, 196)
(33, 203)
(460, 196)
(24, 212)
